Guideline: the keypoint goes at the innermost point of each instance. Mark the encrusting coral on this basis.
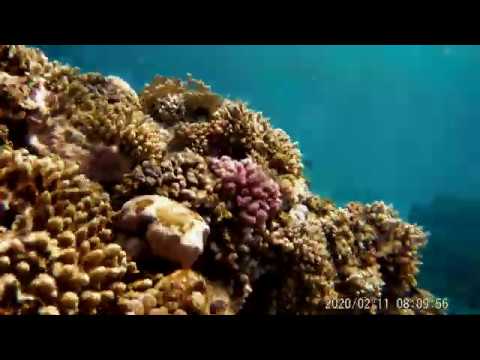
(175, 201)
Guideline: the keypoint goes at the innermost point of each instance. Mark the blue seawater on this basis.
(396, 123)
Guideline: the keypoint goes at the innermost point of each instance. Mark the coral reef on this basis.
(175, 201)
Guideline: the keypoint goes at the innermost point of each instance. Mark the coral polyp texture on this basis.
(176, 201)
(256, 196)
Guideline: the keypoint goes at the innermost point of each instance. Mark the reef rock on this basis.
(172, 230)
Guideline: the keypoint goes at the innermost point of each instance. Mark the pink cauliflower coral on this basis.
(257, 196)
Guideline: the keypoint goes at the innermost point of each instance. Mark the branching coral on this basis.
(183, 292)
(358, 252)
(236, 131)
(99, 117)
(374, 251)
(183, 176)
(256, 196)
(92, 176)
(212, 126)
(90, 119)
(21, 61)
(55, 239)
(170, 101)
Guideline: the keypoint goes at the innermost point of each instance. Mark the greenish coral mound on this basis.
(83, 160)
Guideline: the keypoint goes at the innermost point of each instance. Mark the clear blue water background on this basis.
(397, 123)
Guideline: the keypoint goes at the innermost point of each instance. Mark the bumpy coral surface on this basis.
(176, 201)
(173, 231)
(255, 194)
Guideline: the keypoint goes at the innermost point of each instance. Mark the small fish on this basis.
(308, 164)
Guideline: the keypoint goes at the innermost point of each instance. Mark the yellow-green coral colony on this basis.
(113, 202)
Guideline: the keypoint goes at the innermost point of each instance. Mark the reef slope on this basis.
(176, 200)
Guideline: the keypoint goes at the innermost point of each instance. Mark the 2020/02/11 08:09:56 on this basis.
(364, 303)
